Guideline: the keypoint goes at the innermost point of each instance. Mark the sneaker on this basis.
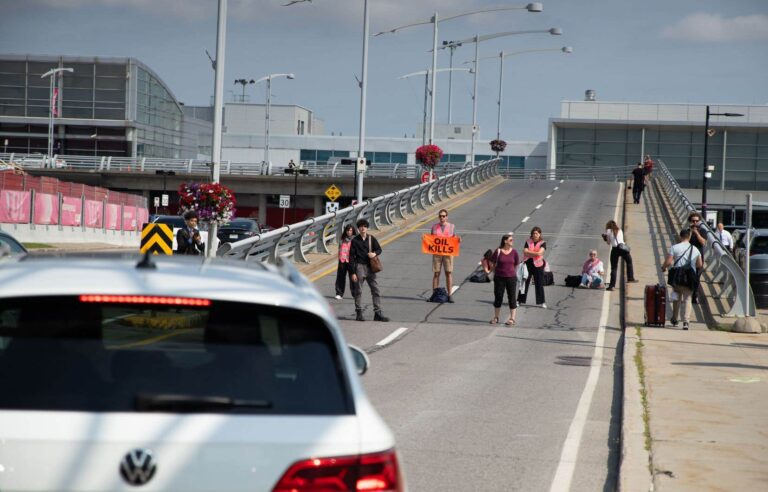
(450, 299)
(359, 315)
(609, 288)
(338, 297)
(632, 281)
(685, 325)
(674, 322)
(543, 305)
(380, 317)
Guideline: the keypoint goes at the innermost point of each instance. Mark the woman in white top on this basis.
(592, 272)
(680, 255)
(615, 238)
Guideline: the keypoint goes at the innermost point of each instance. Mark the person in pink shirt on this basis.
(533, 257)
(343, 271)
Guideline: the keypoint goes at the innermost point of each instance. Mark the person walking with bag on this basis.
(364, 261)
(619, 249)
(683, 262)
(343, 270)
(533, 257)
(505, 261)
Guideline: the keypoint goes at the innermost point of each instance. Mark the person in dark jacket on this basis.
(343, 270)
(188, 240)
(699, 241)
(363, 248)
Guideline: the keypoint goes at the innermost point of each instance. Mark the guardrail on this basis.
(596, 173)
(314, 235)
(716, 257)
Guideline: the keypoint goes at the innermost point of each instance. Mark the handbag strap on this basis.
(690, 254)
(369, 244)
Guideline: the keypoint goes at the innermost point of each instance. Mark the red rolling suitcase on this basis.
(655, 305)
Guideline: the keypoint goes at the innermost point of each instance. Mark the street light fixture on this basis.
(426, 74)
(707, 172)
(244, 82)
(296, 171)
(269, 78)
(501, 56)
(555, 31)
(531, 7)
(53, 105)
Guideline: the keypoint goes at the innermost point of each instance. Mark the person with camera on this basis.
(188, 240)
(619, 249)
(683, 255)
(363, 249)
(699, 241)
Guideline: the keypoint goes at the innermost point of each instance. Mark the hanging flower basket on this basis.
(498, 145)
(212, 201)
(429, 155)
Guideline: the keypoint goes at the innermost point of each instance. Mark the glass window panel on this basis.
(575, 160)
(651, 148)
(77, 83)
(747, 151)
(12, 79)
(578, 147)
(741, 138)
(110, 95)
(323, 155)
(578, 133)
(666, 149)
(634, 135)
(37, 111)
(109, 114)
(610, 135)
(739, 180)
(674, 137)
(13, 66)
(11, 110)
(399, 157)
(762, 152)
(610, 148)
(110, 83)
(12, 92)
(610, 160)
(634, 151)
(110, 69)
(77, 112)
(762, 138)
(740, 164)
(39, 68)
(77, 94)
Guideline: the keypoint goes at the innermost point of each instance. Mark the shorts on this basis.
(446, 262)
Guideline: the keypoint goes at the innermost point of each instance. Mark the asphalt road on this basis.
(487, 407)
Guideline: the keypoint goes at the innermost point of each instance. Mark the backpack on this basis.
(572, 280)
(439, 295)
(479, 276)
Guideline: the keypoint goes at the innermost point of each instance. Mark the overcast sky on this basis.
(699, 51)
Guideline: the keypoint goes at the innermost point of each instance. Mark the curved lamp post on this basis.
(531, 7)
(555, 31)
(269, 78)
(501, 56)
(244, 82)
(707, 171)
(52, 112)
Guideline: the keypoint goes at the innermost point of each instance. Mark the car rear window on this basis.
(131, 353)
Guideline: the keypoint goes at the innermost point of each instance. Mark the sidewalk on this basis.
(706, 390)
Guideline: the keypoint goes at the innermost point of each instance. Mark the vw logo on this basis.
(138, 467)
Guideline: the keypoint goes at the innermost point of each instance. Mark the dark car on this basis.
(9, 246)
(237, 230)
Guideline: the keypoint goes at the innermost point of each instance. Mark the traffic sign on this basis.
(165, 200)
(285, 201)
(331, 207)
(425, 176)
(333, 193)
(157, 201)
(157, 239)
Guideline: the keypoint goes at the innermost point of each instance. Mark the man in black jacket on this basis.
(363, 248)
(188, 241)
(698, 240)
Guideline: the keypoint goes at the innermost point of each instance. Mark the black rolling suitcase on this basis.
(655, 305)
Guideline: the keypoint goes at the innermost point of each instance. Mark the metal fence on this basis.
(597, 173)
(726, 272)
(314, 235)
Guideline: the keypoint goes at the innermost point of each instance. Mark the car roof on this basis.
(215, 279)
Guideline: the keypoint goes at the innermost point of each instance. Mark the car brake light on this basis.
(377, 472)
(163, 300)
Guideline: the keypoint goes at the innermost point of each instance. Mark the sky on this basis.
(667, 51)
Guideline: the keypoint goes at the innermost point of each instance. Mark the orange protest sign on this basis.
(436, 245)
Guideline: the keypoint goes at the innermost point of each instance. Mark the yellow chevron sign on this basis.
(157, 239)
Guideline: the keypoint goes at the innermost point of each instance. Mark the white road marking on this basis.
(570, 453)
(392, 336)
(562, 180)
(548, 196)
(538, 206)
(557, 188)
(455, 288)
(525, 220)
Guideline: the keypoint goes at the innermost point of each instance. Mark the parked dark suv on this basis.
(237, 230)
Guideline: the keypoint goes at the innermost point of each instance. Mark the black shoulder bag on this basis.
(682, 276)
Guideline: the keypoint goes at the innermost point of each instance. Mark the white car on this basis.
(41, 162)
(180, 374)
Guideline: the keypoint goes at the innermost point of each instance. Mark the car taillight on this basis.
(162, 300)
(377, 472)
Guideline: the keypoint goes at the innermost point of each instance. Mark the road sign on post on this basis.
(157, 239)
(360, 168)
(425, 176)
(157, 201)
(331, 207)
(165, 200)
(333, 193)
(285, 201)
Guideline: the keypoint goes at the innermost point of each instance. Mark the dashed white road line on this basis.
(548, 197)
(392, 336)
(562, 180)
(538, 206)
(455, 288)
(525, 220)
(557, 188)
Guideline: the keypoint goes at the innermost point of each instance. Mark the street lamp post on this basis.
(450, 78)
(269, 78)
(244, 82)
(555, 31)
(52, 109)
(531, 7)
(218, 114)
(296, 172)
(707, 171)
(363, 91)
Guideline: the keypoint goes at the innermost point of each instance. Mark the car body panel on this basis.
(10, 246)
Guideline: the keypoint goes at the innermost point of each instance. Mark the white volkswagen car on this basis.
(180, 374)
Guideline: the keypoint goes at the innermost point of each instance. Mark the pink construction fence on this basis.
(42, 200)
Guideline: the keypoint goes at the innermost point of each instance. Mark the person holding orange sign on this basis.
(444, 245)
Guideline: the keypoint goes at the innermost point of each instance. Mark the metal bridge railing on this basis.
(597, 173)
(716, 257)
(314, 235)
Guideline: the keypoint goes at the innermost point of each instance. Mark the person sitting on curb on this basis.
(592, 272)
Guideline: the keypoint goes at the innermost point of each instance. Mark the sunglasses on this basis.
(695, 221)
(442, 216)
